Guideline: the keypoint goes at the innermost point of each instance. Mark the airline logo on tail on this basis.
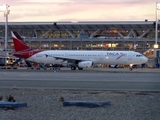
(19, 44)
(22, 50)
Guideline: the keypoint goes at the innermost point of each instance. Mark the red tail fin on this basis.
(19, 44)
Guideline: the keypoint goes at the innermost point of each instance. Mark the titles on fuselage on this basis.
(115, 54)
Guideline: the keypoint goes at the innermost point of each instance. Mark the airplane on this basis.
(77, 58)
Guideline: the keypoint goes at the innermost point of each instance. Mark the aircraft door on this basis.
(129, 56)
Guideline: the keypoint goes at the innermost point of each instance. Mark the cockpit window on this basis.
(139, 55)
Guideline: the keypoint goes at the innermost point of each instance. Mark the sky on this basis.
(79, 10)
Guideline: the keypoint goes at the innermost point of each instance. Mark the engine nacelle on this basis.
(85, 64)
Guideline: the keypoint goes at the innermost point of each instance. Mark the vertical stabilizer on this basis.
(19, 44)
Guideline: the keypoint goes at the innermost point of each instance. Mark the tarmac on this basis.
(112, 70)
(88, 79)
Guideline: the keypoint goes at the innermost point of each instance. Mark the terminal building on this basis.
(126, 35)
(85, 35)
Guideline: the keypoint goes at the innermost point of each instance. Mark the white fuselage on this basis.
(97, 57)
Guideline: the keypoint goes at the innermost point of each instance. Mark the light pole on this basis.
(4, 8)
(156, 31)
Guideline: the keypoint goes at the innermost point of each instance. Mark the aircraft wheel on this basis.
(38, 68)
(79, 68)
(73, 68)
(54, 68)
(130, 69)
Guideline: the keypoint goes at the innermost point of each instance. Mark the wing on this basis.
(69, 59)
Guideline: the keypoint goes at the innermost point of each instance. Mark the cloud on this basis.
(76, 10)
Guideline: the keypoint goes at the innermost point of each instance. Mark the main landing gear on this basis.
(74, 68)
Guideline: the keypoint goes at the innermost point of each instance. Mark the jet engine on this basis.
(85, 64)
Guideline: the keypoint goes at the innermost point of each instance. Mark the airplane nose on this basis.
(145, 59)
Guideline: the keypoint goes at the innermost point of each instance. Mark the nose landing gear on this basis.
(131, 67)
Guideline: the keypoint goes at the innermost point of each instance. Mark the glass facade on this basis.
(107, 38)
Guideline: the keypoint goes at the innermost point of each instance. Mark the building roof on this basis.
(85, 25)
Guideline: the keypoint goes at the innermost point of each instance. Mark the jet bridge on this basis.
(153, 57)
